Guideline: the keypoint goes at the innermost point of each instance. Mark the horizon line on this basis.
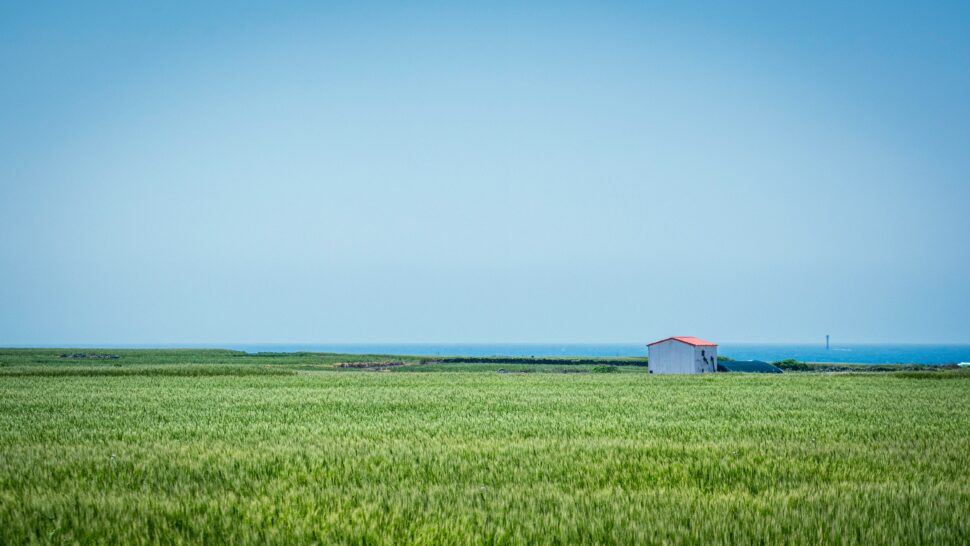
(226, 344)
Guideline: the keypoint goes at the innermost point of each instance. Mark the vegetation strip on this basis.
(631, 361)
(463, 457)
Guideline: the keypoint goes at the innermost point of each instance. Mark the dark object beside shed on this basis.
(754, 366)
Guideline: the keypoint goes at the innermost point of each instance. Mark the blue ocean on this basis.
(871, 354)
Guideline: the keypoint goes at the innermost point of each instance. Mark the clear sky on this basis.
(450, 172)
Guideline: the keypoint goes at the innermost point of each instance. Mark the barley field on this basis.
(210, 447)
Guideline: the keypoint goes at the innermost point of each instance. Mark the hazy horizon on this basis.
(566, 343)
(435, 173)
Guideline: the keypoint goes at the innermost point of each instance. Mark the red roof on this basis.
(690, 340)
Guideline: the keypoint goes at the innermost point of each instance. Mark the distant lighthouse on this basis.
(826, 342)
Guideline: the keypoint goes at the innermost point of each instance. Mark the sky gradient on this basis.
(493, 172)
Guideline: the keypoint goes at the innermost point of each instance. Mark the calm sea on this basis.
(873, 354)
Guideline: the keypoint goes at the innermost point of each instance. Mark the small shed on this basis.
(750, 366)
(682, 354)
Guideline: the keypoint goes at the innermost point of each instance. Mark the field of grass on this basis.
(218, 446)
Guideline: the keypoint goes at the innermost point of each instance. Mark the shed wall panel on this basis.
(671, 357)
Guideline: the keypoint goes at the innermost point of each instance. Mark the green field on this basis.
(166, 447)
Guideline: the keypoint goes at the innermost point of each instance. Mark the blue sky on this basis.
(461, 172)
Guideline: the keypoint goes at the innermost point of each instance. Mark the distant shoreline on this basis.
(814, 353)
(92, 353)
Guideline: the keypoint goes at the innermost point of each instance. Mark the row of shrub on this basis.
(793, 365)
(534, 360)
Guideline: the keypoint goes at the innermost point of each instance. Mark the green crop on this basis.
(469, 458)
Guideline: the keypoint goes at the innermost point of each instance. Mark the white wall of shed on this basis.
(671, 356)
(704, 356)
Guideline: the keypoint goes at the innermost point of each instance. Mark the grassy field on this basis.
(217, 446)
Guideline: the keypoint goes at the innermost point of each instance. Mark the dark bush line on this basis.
(380, 364)
(531, 360)
(277, 355)
(172, 371)
(797, 366)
